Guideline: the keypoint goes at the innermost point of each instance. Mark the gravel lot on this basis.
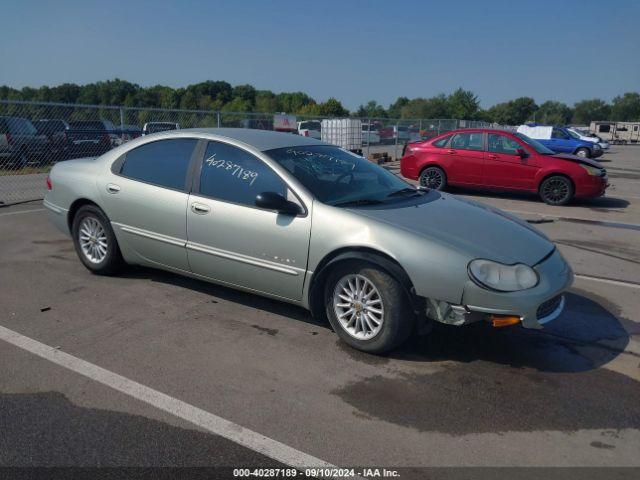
(564, 396)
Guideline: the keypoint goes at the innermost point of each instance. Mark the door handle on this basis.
(200, 209)
(451, 151)
(492, 157)
(113, 188)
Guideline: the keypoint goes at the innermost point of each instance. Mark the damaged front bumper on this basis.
(532, 307)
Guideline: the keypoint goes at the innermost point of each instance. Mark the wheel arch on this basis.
(75, 206)
(364, 254)
(555, 174)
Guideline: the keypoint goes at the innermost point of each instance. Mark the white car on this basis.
(370, 134)
(589, 137)
(310, 128)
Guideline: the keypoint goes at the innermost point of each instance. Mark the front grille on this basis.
(548, 307)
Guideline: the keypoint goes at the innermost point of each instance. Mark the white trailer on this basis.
(343, 132)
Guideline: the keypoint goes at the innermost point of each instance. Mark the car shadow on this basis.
(597, 202)
(224, 293)
(586, 336)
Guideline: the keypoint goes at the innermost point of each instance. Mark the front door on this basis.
(504, 167)
(230, 240)
(560, 142)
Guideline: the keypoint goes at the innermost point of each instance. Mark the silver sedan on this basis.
(305, 222)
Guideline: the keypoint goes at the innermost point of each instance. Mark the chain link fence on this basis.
(34, 136)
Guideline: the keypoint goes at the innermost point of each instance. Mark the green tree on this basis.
(463, 105)
(395, 109)
(434, 107)
(513, 112)
(372, 109)
(332, 108)
(554, 113)
(292, 102)
(626, 108)
(586, 111)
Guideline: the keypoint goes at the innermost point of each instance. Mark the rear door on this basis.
(504, 168)
(466, 158)
(145, 195)
(230, 240)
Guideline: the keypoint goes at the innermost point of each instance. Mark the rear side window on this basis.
(604, 128)
(234, 175)
(502, 144)
(467, 141)
(442, 142)
(163, 163)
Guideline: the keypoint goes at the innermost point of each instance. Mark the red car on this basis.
(497, 159)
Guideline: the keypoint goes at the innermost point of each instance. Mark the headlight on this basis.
(504, 278)
(593, 171)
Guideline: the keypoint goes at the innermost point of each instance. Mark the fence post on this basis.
(218, 118)
(122, 123)
(439, 126)
(368, 137)
(395, 147)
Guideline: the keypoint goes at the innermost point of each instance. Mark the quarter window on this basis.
(442, 142)
(467, 141)
(502, 144)
(163, 163)
(234, 175)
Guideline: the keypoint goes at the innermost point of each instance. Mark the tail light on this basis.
(49, 184)
(106, 138)
(306, 133)
(9, 139)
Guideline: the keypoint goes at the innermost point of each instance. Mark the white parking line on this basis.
(21, 212)
(607, 280)
(203, 419)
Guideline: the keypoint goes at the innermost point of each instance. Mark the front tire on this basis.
(433, 178)
(367, 307)
(556, 190)
(95, 242)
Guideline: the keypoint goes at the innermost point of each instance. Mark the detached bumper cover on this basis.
(535, 306)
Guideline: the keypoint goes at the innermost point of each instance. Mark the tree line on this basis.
(222, 96)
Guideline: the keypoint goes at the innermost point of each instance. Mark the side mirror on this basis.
(275, 201)
(522, 153)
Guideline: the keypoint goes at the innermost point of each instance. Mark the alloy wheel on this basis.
(358, 306)
(556, 190)
(432, 178)
(93, 240)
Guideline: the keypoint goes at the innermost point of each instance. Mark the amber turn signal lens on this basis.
(504, 320)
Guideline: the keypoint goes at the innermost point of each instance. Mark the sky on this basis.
(353, 50)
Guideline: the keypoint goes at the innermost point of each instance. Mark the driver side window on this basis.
(558, 134)
(233, 175)
(503, 144)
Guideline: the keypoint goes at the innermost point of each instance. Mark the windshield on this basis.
(336, 176)
(536, 145)
(573, 134)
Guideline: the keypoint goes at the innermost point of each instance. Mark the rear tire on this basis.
(583, 153)
(367, 307)
(95, 242)
(433, 178)
(556, 190)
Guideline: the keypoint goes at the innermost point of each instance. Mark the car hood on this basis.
(472, 228)
(576, 159)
